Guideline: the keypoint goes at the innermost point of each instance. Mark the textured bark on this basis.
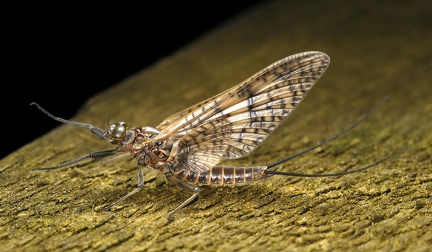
(377, 48)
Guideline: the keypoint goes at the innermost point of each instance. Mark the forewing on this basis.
(248, 112)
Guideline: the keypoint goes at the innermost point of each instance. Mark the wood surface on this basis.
(377, 48)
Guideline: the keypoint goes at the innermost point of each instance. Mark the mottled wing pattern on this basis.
(203, 146)
(235, 122)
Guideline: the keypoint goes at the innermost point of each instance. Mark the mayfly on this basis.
(187, 146)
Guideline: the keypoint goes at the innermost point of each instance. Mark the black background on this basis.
(59, 56)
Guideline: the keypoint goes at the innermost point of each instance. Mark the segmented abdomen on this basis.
(223, 175)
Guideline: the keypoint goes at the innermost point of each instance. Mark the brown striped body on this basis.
(222, 175)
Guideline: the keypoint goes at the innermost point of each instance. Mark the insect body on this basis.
(187, 146)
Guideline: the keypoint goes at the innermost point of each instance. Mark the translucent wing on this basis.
(235, 122)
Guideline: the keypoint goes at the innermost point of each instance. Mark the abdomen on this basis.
(223, 175)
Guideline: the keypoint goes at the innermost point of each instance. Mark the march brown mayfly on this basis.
(188, 146)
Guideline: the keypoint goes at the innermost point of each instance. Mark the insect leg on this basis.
(96, 154)
(139, 188)
(187, 187)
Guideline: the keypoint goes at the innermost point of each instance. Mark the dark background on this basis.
(59, 56)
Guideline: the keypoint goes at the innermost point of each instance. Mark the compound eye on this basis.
(118, 130)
